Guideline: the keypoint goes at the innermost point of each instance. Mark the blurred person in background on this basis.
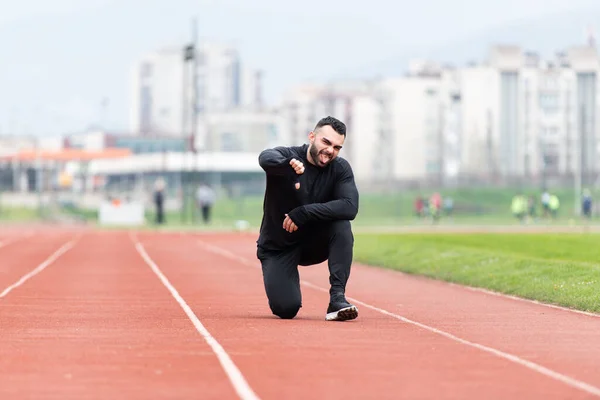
(586, 204)
(310, 199)
(205, 199)
(546, 203)
(419, 204)
(554, 205)
(159, 200)
(531, 207)
(448, 206)
(435, 206)
(519, 207)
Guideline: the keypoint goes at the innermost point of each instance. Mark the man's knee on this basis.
(283, 290)
(285, 310)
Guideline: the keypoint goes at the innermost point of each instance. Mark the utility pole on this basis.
(190, 54)
(580, 161)
(194, 125)
(184, 111)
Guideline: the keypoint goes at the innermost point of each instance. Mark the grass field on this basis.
(18, 214)
(562, 269)
(473, 206)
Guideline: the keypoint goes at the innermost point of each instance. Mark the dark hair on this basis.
(336, 124)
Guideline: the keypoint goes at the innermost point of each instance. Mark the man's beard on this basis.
(314, 154)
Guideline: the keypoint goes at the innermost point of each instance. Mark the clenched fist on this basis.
(298, 166)
(289, 225)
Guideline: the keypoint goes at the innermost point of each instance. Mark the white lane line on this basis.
(62, 250)
(236, 378)
(586, 387)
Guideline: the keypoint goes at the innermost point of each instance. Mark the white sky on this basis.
(61, 57)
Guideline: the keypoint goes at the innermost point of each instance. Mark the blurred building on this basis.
(158, 79)
(351, 102)
(528, 117)
(405, 128)
(227, 146)
(241, 130)
(10, 144)
(156, 93)
(224, 82)
(420, 114)
(512, 117)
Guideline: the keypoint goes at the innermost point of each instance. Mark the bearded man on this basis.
(309, 201)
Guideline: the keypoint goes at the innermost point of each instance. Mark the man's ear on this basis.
(311, 136)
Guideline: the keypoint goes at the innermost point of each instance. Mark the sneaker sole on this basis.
(345, 314)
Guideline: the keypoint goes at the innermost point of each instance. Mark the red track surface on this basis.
(185, 316)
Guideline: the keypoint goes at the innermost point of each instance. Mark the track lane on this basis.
(99, 324)
(375, 356)
(563, 341)
(23, 255)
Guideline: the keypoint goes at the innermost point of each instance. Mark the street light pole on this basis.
(190, 53)
(194, 84)
(580, 161)
(184, 110)
(194, 113)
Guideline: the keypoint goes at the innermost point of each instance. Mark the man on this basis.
(205, 198)
(587, 204)
(310, 199)
(159, 200)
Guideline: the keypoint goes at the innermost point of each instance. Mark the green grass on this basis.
(473, 206)
(18, 214)
(562, 269)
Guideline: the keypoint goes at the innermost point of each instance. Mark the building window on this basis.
(509, 120)
(549, 132)
(273, 134)
(201, 58)
(551, 82)
(432, 167)
(549, 102)
(145, 109)
(230, 142)
(235, 73)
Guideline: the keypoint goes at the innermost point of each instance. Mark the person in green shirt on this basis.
(554, 205)
(519, 207)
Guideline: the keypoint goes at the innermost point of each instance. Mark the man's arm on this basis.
(276, 161)
(344, 207)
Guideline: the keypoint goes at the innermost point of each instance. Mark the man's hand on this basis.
(298, 166)
(289, 225)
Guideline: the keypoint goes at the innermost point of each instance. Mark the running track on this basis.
(90, 314)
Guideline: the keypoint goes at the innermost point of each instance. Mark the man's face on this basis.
(325, 145)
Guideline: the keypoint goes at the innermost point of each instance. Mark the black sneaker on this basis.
(341, 310)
